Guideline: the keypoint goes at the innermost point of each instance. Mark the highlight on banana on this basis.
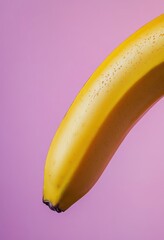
(127, 83)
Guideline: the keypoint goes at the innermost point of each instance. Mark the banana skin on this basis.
(116, 96)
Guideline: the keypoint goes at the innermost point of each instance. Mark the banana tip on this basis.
(50, 205)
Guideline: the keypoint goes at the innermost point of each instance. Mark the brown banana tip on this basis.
(53, 208)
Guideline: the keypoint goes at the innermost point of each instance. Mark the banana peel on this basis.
(121, 90)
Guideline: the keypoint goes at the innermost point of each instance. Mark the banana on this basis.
(119, 92)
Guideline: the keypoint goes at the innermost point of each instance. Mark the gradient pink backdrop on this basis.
(48, 49)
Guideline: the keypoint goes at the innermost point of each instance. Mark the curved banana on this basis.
(120, 91)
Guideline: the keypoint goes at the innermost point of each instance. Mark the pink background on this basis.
(48, 49)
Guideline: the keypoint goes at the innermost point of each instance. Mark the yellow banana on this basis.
(120, 91)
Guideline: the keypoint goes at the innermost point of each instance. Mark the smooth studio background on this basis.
(48, 49)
